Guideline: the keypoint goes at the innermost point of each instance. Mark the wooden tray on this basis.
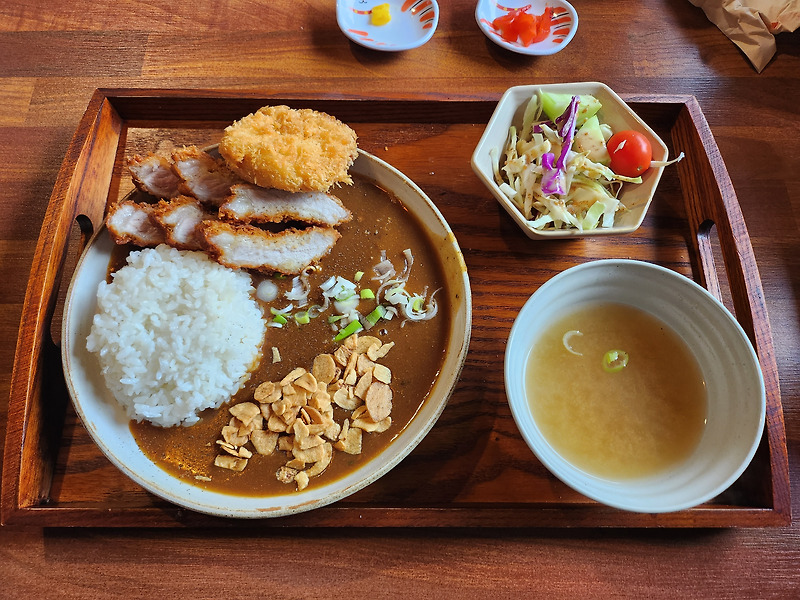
(473, 469)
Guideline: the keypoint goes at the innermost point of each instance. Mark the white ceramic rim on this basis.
(108, 425)
(632, 495)
(343, 17)
(545, 48)
(494, 137)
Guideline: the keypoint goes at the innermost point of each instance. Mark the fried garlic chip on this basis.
(296, 416)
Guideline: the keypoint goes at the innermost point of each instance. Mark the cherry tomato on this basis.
(630, 153)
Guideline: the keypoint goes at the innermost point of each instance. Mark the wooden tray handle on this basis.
(80, 194)
(711, 203)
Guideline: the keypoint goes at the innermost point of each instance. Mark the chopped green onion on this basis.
(359, 275)
(279, 318)
(565, 339)
(351, 328)
(416, 306)
(376, 315)
(335, 318)
(614, 361)
(367, 294)
(302, 317)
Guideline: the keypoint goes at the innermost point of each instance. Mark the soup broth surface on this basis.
(637, 421)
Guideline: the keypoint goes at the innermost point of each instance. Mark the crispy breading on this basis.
(179, 218)
(248, 247)
(290, 149)
(202, 176)
(153, 174)
(133, 222)
(250, 203)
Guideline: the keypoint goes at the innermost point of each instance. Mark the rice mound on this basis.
(175, 334)
(297, 150)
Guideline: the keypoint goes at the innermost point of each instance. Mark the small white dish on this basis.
(412, 23)
(615, 112)
(736, 398)
(563, 28)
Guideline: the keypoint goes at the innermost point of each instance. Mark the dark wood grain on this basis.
(55, 55)
(120, 123)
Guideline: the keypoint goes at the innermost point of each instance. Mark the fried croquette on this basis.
(297, 150)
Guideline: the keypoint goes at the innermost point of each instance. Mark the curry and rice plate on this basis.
(248, 349)
(380, 225)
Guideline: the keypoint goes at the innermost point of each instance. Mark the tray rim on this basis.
(109, 112)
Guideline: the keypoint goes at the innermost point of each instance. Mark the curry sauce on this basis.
(380, 224)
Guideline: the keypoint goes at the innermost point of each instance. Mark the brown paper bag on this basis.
(752, 24)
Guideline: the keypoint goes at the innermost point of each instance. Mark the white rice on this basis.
(175, 334)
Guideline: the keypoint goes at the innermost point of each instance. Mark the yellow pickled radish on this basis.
(380, 15)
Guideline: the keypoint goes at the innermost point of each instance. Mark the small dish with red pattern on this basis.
(535, 27)
(388, 25)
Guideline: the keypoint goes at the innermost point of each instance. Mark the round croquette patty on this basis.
(290, 149)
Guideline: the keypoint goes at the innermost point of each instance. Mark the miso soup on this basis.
(614, 420)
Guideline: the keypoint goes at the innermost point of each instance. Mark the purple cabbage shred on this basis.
(553, 179)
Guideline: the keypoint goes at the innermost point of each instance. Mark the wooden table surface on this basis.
(53, 55)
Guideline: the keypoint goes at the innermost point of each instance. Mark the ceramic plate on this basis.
(108, 424)
(564, 24)
(736, 396)
(412, 23)
(615, 112)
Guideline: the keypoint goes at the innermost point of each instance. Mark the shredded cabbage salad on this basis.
(554, 169)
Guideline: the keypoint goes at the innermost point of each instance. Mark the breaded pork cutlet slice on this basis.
(153, 175)
(248, 247)
(132, 223)
(180, 219)
(202, 176)
(289, 149)
(251, 203)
